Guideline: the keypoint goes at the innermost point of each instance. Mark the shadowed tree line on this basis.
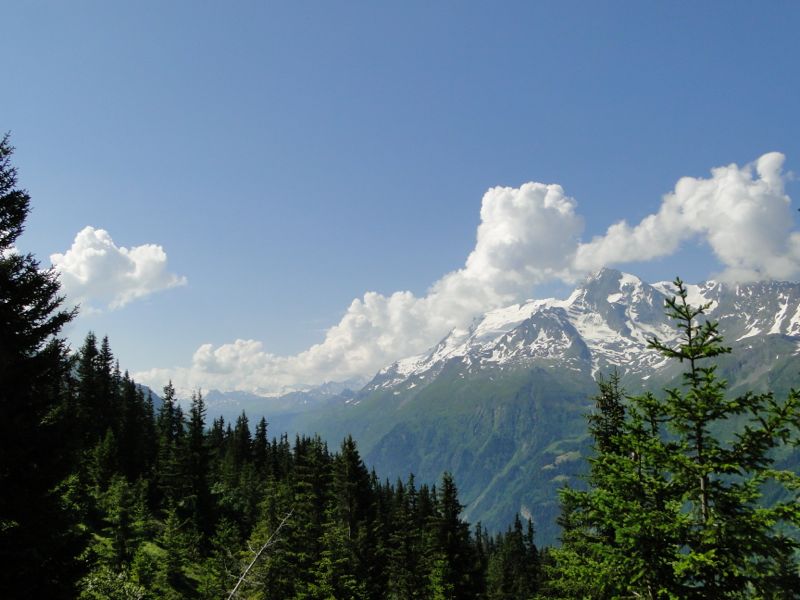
(167, 506)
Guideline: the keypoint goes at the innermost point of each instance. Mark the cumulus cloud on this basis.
(742, 213)
(97, 273)
(527, 236)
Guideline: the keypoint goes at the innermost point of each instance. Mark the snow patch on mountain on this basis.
(605, 322)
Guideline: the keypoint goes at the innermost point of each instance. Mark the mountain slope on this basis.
(502, 403)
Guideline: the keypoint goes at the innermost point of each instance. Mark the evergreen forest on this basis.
(108, 493)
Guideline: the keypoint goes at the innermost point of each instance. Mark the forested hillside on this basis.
(165, 506)
(105, 497)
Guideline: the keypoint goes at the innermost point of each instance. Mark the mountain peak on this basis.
(609, 286)
(605, 323)
(608, 277)
(604, 273)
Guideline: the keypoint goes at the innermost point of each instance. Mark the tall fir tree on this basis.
(513, 567)
(37, 536)
(170, 477)
(673, 509)
(198, 458)
(453, 560)
(733, 541)
(89, 394)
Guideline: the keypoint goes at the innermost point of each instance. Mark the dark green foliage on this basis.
(178, 510)
(198, 503)
(39, 540)
(674, 509)
(513, 569)
(606, 423)
(453, 553)
(171, 479)
(406, 544)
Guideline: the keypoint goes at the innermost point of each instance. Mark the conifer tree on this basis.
(103, 461)
(732, 541)
(149, 436)
(261, 448)
(197, 463)
(453, 560)
(171, 479)
(513, 565)
(170, 579)
(673, 509)
(351, 519)
(405, 567)
(108, 387)
(37, 536)
(132, 428)
(335, 572)
(89, 395)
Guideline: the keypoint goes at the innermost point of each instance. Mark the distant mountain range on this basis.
(230, 404)
(502, 404)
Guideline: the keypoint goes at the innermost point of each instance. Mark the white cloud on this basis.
(527, 236)
(742, 213)
(97, 273)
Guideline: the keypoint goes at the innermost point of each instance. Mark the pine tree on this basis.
(132, 426)
(170, 579)
(171, 480)
(513, 564)
(149, 436)
(733, 541)
(354, 506)
(453, 558)
(673, 509)
(606, 423)
(197, 463)
(335, 573)
(620, 536)
(126, 523)
(239, 449)
(223, 566)
(89, 394)
(108, 387)
(37, 536)
(261, 448)
(103, 461)
(405, 566)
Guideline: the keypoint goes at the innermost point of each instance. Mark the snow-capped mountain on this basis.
(502, 404)
(606, 322)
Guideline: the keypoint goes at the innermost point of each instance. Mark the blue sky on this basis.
(289, 157)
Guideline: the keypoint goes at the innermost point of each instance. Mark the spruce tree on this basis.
(512, 572)
(453, 558)
(261, 448)
(170, 477)
(733, 541)
(37, 536)
(197, 462)
(352, 511)
(91, 427)
(674, 509)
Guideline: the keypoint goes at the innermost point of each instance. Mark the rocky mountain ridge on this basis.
(605, 323)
